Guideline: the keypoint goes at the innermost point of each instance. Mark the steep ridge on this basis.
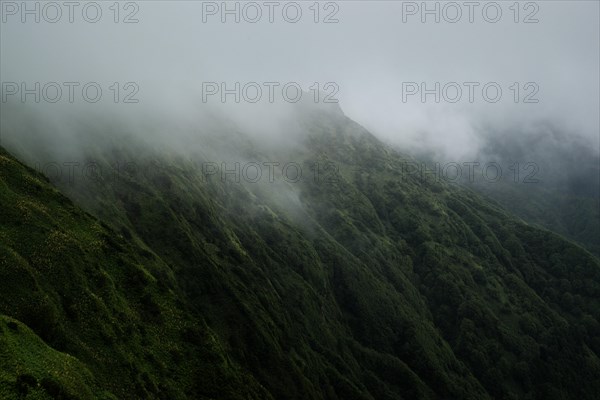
(109, 310)
(357, 281)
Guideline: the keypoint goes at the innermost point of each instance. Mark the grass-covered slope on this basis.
(30, 369)
(362, 284)
(108, 309)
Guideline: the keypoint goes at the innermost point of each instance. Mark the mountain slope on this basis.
(356, 282)
(92, 295)
(548, 177)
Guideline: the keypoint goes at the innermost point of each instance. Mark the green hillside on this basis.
(104, 316)
(563, 191)
(358, 282)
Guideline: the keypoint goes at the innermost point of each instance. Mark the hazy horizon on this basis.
(371, 60)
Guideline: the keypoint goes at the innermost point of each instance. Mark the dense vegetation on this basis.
(549, 178)
(362, 284)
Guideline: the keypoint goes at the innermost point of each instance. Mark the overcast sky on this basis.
(373, 54)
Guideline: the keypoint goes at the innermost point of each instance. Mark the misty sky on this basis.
(368, 54)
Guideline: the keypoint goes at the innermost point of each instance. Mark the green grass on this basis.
(372, 285)
(30, 369)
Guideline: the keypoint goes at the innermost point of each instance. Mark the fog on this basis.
(373, 60)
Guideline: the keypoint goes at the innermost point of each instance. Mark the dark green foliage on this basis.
(550, 178)
(364, 284)
(90, 293)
